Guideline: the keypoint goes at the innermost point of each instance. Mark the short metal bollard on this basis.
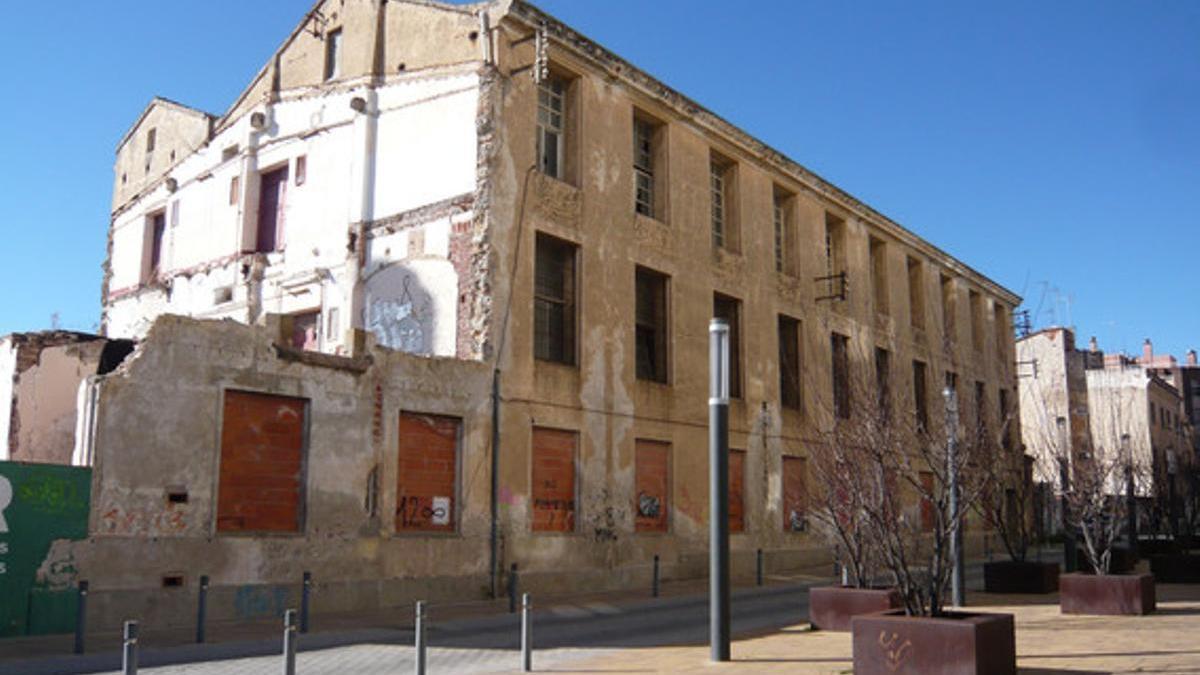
(289, 642)
(305, 589)
(201, 609)
(129, 652)
(654, 580)
(758, 568)
(419, 640)
(512, 589)
(81, 616)
(526, 634)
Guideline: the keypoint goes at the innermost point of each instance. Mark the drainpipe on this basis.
(493, 558)
(362, 210)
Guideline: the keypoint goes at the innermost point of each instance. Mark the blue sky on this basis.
(1053, 146)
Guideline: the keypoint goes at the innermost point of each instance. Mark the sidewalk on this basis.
(1047, 642)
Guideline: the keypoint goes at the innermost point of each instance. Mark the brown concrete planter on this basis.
(1014, 576)
(891, 643)
(1114, 594)
(1179, 568)
(830, 607)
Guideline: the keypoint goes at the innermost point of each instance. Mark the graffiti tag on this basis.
(143, 521)
(895, 651)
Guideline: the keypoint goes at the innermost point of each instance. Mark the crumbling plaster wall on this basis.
(158, 431)
(178, 130)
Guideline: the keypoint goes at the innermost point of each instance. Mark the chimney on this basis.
(1147, 352)
(1093, 346)
(1191, 357)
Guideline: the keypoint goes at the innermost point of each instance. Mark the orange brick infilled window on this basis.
(737, 472)
(427, 475)
(262, 463)
(795, 494)
(927, 515)
(553, 480)
(651, 468)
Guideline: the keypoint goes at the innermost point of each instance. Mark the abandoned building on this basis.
(431, 299)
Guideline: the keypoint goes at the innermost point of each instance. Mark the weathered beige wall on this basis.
(158, 431)
(179, 131)
(601, 398)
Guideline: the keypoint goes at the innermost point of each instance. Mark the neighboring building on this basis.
(40, 377)
(396, 180)
(1129, 401)
(1053, 392)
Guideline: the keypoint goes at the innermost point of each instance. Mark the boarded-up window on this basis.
(927, 506)
(553, 477)
(427, 475)
(737, 482)
(262, 463)
(652, 475)
(795, 494)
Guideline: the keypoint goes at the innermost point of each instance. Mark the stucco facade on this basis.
(432, 204)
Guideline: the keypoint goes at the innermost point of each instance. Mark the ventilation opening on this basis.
(177, 497)
(172, 581)
(222, 295)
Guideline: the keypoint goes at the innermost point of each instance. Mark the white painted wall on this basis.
(425, 152)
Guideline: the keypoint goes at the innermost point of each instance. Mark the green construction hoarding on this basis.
(39, 504)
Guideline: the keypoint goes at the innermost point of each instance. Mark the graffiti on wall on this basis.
(143, 521)
(399, 313)
(260, 602)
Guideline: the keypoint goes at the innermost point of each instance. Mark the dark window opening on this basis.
(729, 309)
(883, 382)
(333, 53)
(271, 206)
(158, 230)
(790, 395)
(651, 328)
(840, 348)
(554, 300)
(920, 396)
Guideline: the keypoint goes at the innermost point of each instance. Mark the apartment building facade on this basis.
(485, 187)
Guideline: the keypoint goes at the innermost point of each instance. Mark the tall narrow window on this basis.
(916, 293)
(720, 172)
(651, 329)
(151, 139)
(554, 300)
(835, 255)
(789, 363)
(975, 301)
(271, 208)
(333, 54)
(980, 408)
(785, 231)
(949, 309)
(883, 382)
(1006, 424)
(551, 126)
(920, 396)
(644, 133)
(158, 229)
(730, 309)
(840, 349)
(554, 456)
(879, 285)
(1003, 336)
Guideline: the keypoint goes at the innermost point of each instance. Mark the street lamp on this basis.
(718, 472)
(958, 590)
(1130, 497)
(1064, 476)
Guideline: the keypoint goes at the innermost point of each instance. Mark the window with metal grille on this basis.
(554, 300)
(643, 166)
(730, 309)
(651, 325)
(551, 124)
(718, 172)
(840, 347)
(789, 363)
(785, 235)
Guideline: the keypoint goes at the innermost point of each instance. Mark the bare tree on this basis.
(1007, 501)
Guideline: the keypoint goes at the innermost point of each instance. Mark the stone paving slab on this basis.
(1047, 643)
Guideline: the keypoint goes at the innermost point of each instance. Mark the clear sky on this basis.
(1054, 146)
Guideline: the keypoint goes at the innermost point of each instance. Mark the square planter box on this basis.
(830, 607)
(1179, 568)
(1012, 576)
(964, 643)
(1117, 594)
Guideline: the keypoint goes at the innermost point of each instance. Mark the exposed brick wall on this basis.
(427, 476)
(262, 463)
(553, 480)
(737, 482)
(795, 493)
(653, 485)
